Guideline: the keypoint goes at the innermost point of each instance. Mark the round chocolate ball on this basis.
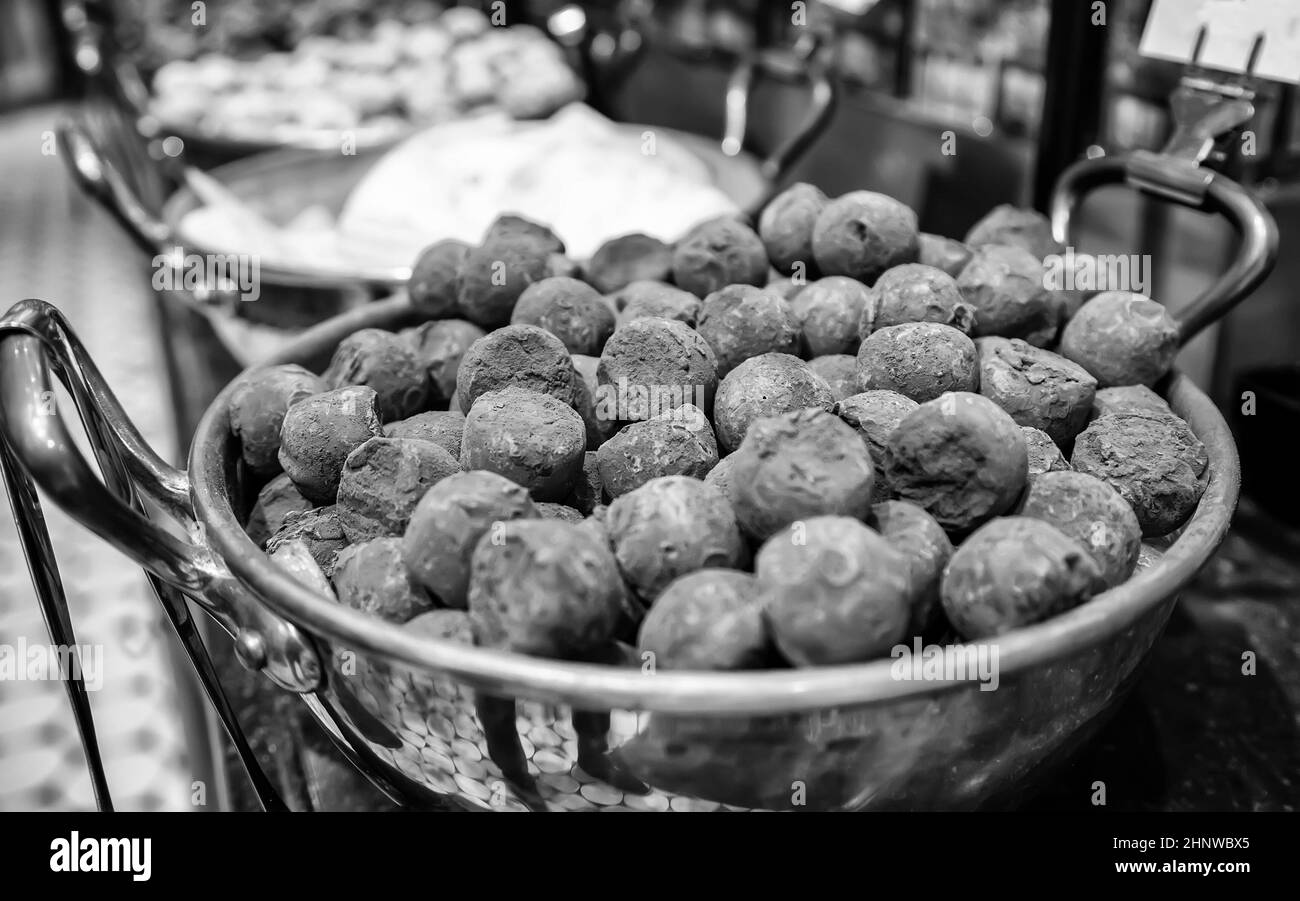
(1044, 454)
(786, 226)
(800, 464)
(1015, 227)
(1153, 460)
(1122, 339)
(512, 225)
(960, 457)
(920, 360)
(1092, 513)
(530, 438)
(875, 415)
(671, 526)
(444, 428)
(547, 588)
(741, 322)
(1037, 387)
(656, 300)
(925, 546)
(676, 442)
(862, 234)
(385, 362)
(1014, 572)
(370, 577)
(494, 274)
(447, 524)
(947, 254)
(765, 386)
(1128, 399)
(521, 356)
(439, 347)
(840, 372)
(258, 403)
(1006, 287)
(319, 529)
(828, 313)
(277, 499)
(319, 432)
(651, 365)
(383, 480)
(569, 309)
(432, 285)
(707, 620)
(629, 258)
(834, 591)
(718, 253)
(915, 293)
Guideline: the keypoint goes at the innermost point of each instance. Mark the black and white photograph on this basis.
(652, 406)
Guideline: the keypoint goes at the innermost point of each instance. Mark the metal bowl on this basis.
(488, 729)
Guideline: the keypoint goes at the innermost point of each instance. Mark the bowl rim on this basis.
(592, 686)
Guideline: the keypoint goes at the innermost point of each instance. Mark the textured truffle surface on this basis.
(494, 274)
(1122, 339)
(1006, 287)
(862, 234)
(677, 442)
(258, 403)
(718, 253)
(1093, 514)
(522, 356)
(920, 360)
(741, 321)
(1128, 399)
(922, 542)
(370, 577)
(1013, 572)
(710, 619)
(432, 285)
(915, 292)
(386, 362)
(654, 358)
(947, 254)
(383, 480)
(765, 386)
(840, 371)
(828, 313)
(318, 434)
(1037, 387)
(786, 226)
(1044, 454)
(444, 428)
(277, 499)
(1015, 227)
(530, 438)
(569, 309)
(875, 415)
(656, 300)
(439, 347)
(629, 258)
(318, 529)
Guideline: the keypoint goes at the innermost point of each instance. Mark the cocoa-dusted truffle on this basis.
(915, 293)
(1121, 338)
(640, 300)
(383, 480)
(494, 274)
(875, 415)
(671, 526)
(960, 457)
(599, 427)
(676, 442)
(432, 285)
(947, 254)
(1015, 227)
(509, 225)
(652, 358)
(1093, 514)
(1037, 387)
(834, 591)
(258, 403)
(786, 227)
(530, 438)
(295, 558)
(588, 490)
(707, 620)
(522, 356)
(548, 588)
(921, 540)
(828, 313)
(718, 253)
(1044, 454)
(920, 360)
(552, 510)
(1006, 287)
(800, 464)
(439, 347)
(318, 434)
(765, 386)
(386, 362)
(318, 529)
(569, 309)
(443, 625)
(1013, 572)
(720, 476)
(448, 523)
(277, 499)
(444, 428)
(629, 258)
(1153, 460)
(371, 577)
(1128, 399)
(861, 234)
(840, 372)
(741, 321)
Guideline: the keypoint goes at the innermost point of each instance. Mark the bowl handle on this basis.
(1187, 183)
(806, 64)
(34, 340)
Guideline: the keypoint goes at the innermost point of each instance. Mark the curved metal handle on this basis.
(34, 340)
(809, 65)
(1197, 188)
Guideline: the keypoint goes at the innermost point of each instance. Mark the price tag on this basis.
(1232, 30)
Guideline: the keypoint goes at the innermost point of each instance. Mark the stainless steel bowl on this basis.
(427, 718)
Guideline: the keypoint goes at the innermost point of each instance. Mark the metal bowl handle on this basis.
(34, 341)
(1192, 186)
(823, 97)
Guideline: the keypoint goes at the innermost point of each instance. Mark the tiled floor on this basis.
(55, 246)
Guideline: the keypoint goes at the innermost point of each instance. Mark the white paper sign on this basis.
(1231, 30)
